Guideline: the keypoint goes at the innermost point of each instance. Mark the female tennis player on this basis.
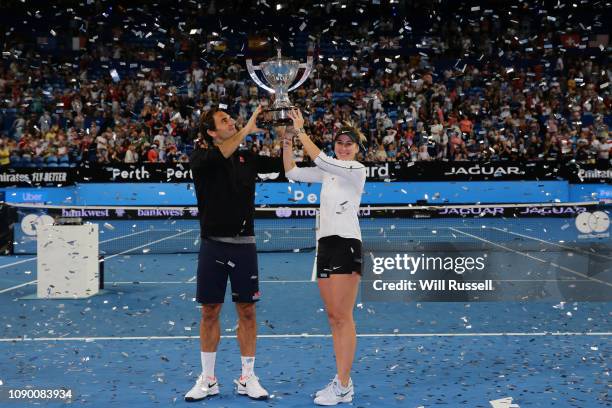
(339, 237)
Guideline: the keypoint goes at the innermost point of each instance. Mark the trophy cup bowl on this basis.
(279, 73)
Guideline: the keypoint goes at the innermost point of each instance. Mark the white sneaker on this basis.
(251, 388)
(203, 388)
(332, 395)
(327, 386)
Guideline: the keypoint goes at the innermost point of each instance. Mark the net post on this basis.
(8, 218)
(101, 272)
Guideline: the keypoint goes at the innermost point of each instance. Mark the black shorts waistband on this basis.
(337, 238)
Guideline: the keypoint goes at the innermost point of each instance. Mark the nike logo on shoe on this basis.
(344, 394)
(241, 383)
(212, 385)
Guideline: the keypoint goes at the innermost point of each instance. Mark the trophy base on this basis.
(275, 117)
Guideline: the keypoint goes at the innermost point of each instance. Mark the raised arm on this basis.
(287, 137)
(292, 172)
(229, 146)
(349, 169)
(310, 148)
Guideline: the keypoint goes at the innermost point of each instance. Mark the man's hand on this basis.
(251, 126)
(280, 131)
(229, 146)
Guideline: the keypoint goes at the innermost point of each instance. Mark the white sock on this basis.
(248, 366)
(208, 363)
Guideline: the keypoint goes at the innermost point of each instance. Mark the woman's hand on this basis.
(285, 136)
(296, 116)
(288, 134)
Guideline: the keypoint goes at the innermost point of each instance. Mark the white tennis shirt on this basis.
(343, 182)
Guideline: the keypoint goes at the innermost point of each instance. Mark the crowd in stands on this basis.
(528, 98)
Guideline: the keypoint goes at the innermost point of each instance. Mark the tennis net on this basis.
(132, 230)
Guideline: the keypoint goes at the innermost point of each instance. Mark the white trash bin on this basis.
(67, 261)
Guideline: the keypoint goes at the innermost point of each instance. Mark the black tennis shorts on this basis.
(337, 255)
(220, 260)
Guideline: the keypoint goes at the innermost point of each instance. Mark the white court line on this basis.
(17, 286)
(101, 242)
(17, 263)
(535, 258)
(311, 281)
(190, 282)
(124, 236)
(553, 243)
(192, 278)
(307, 335)
(313, 275)
(109, 257)
(147, 244)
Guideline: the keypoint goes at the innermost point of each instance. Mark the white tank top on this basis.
(343, 182)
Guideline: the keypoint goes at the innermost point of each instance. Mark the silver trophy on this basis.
(280, 74)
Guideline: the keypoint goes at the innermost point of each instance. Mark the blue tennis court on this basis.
(137, 343)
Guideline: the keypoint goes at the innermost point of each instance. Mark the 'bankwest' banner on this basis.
(390, 171)
(417, 212)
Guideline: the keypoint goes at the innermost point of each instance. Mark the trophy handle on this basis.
(307, 70)
(252, 68)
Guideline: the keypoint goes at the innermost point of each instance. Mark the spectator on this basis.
(160, 139)
(5, 152)
(554, 107)
(380, 154)
(603, 149)
(152, 154)
(389, 137)
(423, 153)
(456, 141)
(466, 125)
(131, 156)
(172, 155)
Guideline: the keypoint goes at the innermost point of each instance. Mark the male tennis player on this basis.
(224, 178)
(339, 251)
